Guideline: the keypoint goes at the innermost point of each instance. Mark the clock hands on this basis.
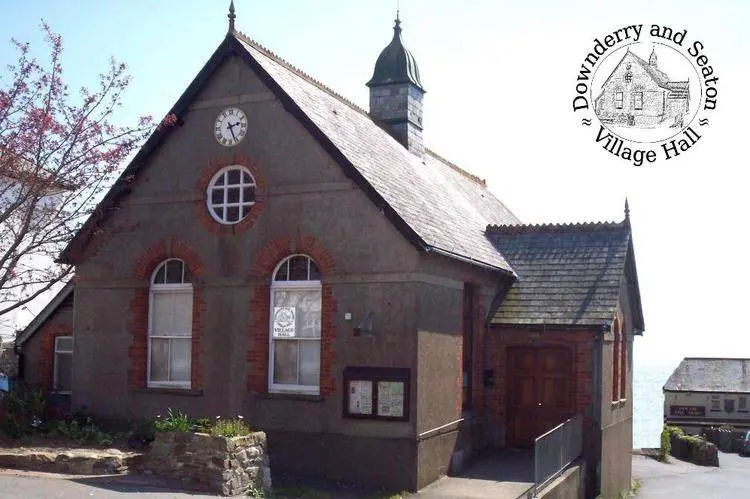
(231, 126)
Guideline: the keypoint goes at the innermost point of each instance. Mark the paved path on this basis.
(33, 485)
(504, 475)
(682, 480)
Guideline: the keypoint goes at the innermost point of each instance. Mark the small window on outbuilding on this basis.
(63, 368)
(728, 405)
(743, 404)
(715, 403)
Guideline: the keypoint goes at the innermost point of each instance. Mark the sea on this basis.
(649, 376)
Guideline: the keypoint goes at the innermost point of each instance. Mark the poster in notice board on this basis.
(360, 397)
(391, 399)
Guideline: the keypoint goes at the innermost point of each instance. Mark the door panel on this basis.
(539, 392)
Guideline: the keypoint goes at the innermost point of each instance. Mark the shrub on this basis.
(175, 421)
(229, 428)
(141, 433)
(666, 443)
(23, 412)
(86, 432)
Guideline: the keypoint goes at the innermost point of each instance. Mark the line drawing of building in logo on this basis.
(638, 94)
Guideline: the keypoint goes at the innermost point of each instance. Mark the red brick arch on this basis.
(263, 266)
(143, 269)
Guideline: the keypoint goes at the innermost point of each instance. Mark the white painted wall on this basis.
(705, 400)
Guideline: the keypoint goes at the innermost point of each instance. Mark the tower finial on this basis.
(231, 16)
(627, 209)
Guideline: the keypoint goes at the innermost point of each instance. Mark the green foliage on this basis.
(142, 432)
(636, 486)
(666, 443)
(175, 421)
(22, 412)
(74, 430)
(229, 428)
(180, 422)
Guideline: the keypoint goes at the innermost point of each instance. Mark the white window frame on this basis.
(210, 205)
(619, 100)
(154, 289)
(54, 363)
(291, 286)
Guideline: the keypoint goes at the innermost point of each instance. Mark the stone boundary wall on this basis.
(227, 466)
(693, 449)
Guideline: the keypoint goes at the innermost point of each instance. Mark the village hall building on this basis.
(283, 254)
(638, 93)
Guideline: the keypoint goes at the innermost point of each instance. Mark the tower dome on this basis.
(395, 64)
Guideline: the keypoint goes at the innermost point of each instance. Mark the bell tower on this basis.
(396, 93)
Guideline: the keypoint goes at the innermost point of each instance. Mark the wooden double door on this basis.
(539, 392)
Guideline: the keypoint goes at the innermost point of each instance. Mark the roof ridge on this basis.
(322, 86)
(716, 358)
(291, 67)
(553, 227)
(455, 167)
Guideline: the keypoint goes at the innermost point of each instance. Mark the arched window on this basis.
(294, 358)
(170, 325)
(616, 360)
(231, 194)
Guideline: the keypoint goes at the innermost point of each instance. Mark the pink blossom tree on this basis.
(58, 152)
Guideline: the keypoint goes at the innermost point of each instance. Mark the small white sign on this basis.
(284, 322)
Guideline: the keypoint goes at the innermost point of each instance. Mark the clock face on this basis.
(230, 127)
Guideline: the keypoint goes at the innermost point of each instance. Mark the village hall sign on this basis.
(648, 91)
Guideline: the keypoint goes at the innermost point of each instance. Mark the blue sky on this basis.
(500, 77)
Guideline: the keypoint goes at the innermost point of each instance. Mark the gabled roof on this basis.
(701, 374)
(434, 204)
(62, 297)
(678, 89)
(568, 274)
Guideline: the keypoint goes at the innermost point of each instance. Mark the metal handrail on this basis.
(555, 450)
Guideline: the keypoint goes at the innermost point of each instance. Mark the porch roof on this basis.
(568, 274)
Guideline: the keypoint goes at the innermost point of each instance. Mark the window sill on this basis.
(305, 397)
(618, 403)
(188, 392)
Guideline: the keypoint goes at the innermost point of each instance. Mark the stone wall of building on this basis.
(227, 466)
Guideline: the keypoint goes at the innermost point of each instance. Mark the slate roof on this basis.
(700, 374)
(438, 206)
(567, 274)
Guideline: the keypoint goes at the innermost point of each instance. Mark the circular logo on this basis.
(284, 317)
(647, 91)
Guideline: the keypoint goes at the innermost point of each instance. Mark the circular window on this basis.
(230, 195)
